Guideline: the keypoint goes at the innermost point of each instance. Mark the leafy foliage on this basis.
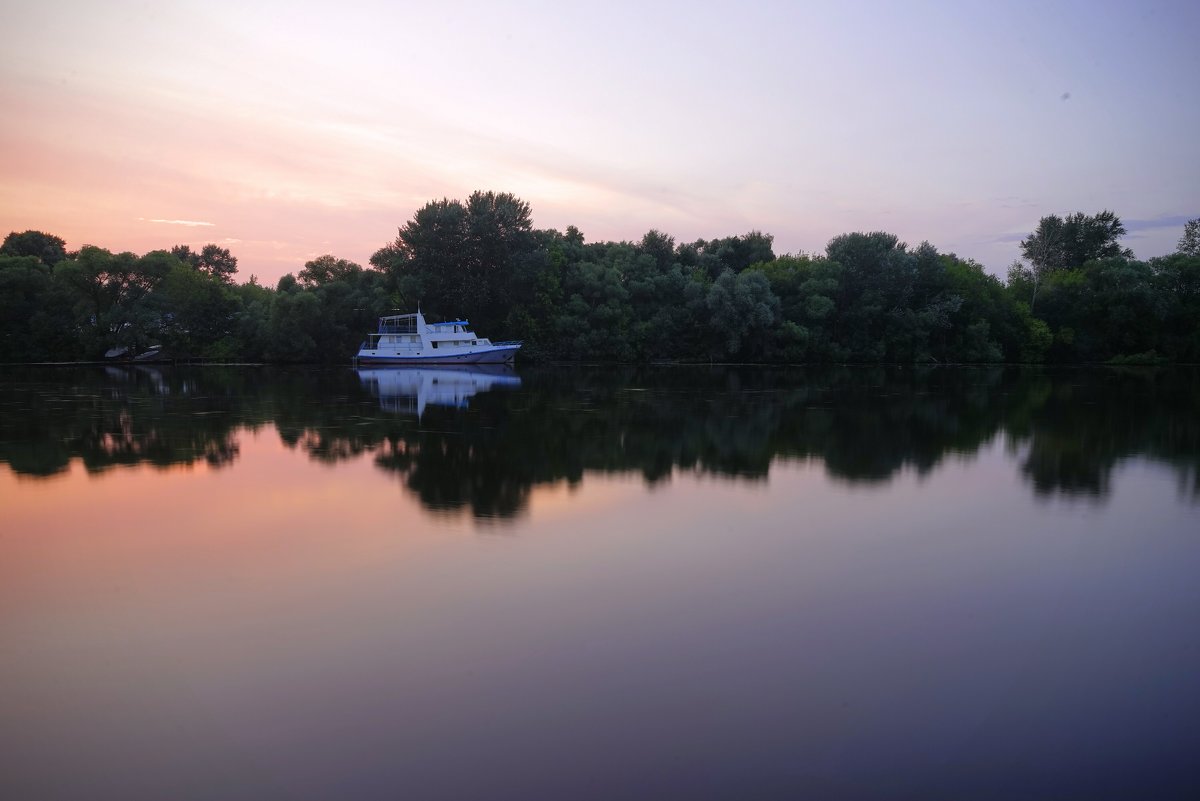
(212, 259)
(1189, 243)
(46, 248)
(1077, 296)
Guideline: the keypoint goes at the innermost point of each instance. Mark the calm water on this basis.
(241, 583)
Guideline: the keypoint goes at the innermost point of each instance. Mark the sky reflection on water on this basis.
(290, 623)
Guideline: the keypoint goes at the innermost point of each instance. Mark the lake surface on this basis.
(251, 583)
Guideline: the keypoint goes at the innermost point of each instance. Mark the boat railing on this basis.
(398, 325)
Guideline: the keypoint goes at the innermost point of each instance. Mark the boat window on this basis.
(398, 325)
(434, 345)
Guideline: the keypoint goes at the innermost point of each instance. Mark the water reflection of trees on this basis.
(1069, 429)
(115, 416)
(1084, 423)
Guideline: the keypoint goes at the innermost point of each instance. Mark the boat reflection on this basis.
(408, 390)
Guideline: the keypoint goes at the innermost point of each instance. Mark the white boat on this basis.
(408, 339)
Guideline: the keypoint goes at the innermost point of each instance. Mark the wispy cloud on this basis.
(1014, 202)
(189, 223)
(1162, 221)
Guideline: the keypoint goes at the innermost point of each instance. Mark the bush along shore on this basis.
(1075, 296)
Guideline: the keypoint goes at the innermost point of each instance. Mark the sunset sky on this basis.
(286, 130)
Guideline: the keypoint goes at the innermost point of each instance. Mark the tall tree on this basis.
(660, 247)
(1177, 283)
(1064, 243)
(47, 248)
(1189, 243)
(742, 311)
(23, 283)
(197, 313)
(327, 269)
(460, 258)
(734, 253)
(212, 259)
(875, 289)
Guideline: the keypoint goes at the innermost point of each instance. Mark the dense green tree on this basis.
(658, 246)
(46, 248)
(252, 313)
(1177, 285)
(659, 314)
(212, 259)
(24, 281)
(1104, 309)
(111, 298)
(324, 315)
(295, 317)
(987, 308)
(1060, 244)
(53, 324)
(327, 269)
(876, 278)
(805, 286)
(735, 253)
(1044, 251)
(197, 315)
(134, 319)
(1189, 243)
(1065, 243)
(349, 309)
(594, 322)
(459, 259)
(535, 291)
(879, 301)
(742, 311)
(1023, 283)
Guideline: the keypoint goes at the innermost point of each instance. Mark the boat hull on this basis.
(496, 355)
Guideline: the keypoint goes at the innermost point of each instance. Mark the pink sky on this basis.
(285, 132)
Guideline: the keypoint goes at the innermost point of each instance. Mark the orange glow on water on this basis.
(139, 531)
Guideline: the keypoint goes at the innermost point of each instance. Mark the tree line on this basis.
(1075, 296)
